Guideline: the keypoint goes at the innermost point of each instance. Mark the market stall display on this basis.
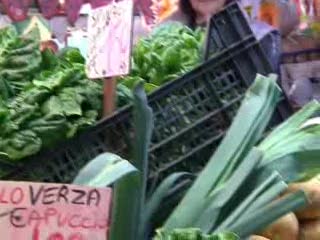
(200, 146)
(238, 191)
(192, 114)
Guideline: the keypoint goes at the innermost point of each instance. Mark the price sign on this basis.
(41, 211)
(110, 40)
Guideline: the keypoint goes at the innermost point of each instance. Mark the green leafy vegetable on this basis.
(20, 59)
(104, 170)
(131, 215)
(192, 234)
(169, 52)
(44, 98)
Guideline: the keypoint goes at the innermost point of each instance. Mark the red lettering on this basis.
(103, 223)
(35, 234)
(35, 217)
(2, 196)
(76, 236)
(56, 236)
(16, 196)
(71, 221)
(49, 212)
(62, 221)
(87, 225)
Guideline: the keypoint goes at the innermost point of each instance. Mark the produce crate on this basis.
(230, 28)
(227, 30)
(191, 114)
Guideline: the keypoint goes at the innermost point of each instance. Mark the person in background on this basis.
(195, 13)
(282, 14)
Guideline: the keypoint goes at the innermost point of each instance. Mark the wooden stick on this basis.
(109, 96)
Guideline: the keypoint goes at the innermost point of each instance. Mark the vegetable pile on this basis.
(235, 190)
(44, 98)
(243, 188)
(169, 52)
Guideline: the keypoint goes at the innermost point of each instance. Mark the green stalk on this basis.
(265, 216)
(124, 214)
(301, 140)
(129, 214)
(237, 143)
(217, 200)
(104, 170)
(297, 166)
(290, 126)
(143, 119)
(161, 193)
(260, 128)
(268, 196)
(273, 180)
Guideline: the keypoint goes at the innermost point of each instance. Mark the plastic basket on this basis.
(230, 28)
(229, 32)
(191, 114)
(226, 30)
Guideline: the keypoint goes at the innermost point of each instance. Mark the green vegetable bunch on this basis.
(169, 52)
(20, 60)
(193, 234)
(44, 98)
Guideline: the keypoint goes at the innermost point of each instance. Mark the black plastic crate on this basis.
(230, 29)
(227, 29)
(191, 114)
(229, 32)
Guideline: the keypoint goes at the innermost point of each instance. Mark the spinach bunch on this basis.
(20, 60)
(52, 102)
(169, 52)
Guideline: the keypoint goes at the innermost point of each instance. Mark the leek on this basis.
(247, 128)
(273, 182)
(238, 183)
(262, 217)
(293, 148)
(131, 215)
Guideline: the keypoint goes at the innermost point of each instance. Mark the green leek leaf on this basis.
(104, 170)
(162, 192)
(246, 129)
(263, 217)
(131, 215)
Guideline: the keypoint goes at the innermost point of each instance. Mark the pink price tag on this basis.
(41, 211)
(110, 40)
